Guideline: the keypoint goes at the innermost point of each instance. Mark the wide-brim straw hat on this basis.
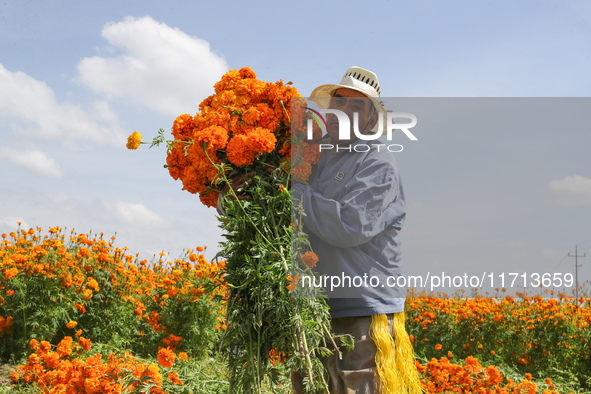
(358, 79)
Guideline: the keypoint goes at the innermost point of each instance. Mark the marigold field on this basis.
(81, 315)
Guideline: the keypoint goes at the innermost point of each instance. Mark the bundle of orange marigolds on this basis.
(254, 130)
(246, 124)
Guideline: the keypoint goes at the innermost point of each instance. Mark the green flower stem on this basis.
(259, 358)
(327, 332)
(304, 351)
(299, 339)
(24, 306)
(302, 334)
(324, 382)
(255, 370)
(308, 361)
(286, 113)
(232, 193)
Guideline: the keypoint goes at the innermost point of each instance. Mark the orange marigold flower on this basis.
(64, 348)
(93, 284)
(44, 347)
(471, 361)
(294, 282)
(210, 198)
(172, 292)
(261, 140)
(33, 344)
(523, 361)
(51, 359)
(80, 308)
(85, 343)
(246, 72)
(183, 123)
(251, 116)
(174, 378)
(92, 385)
(172, 341)
(438, 346)
(6, 324)
(15, 376)
(215, 137)
(166, 357)
(72, 324)
(10, 273)
(87, 294)
(528, 376)
(302, 171)
(134, 140)
(239, 152)
(183, 356)
(310, 259)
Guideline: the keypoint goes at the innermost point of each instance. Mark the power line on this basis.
(587, 249)
(576, 256)
(560, 262)
(584, 242)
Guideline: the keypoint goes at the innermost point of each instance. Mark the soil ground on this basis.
(5, 372)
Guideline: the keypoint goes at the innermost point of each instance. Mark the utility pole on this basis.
(576, 256)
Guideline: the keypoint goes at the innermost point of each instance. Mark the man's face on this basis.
(350, 101)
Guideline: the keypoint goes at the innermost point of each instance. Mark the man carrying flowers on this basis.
(353, 210)
(239, 153)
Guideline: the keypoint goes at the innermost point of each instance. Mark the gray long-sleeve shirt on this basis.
(354, 209)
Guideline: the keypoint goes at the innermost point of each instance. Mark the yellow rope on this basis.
(395, 356)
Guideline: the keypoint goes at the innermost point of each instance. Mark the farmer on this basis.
(354, 210)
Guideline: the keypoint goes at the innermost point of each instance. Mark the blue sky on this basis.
(77, 77)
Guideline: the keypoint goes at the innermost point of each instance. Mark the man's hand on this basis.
(237, 183)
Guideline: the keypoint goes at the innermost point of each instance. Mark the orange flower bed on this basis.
(72, 368)
(81, 290)
(86, 285)
(61, 371)
(443, 377)
(532, 335)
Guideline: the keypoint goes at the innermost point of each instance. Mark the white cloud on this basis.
(159, 67)
(571, 190)
(34, 161)
(30, 107)
(11, 222)
(133, 214)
